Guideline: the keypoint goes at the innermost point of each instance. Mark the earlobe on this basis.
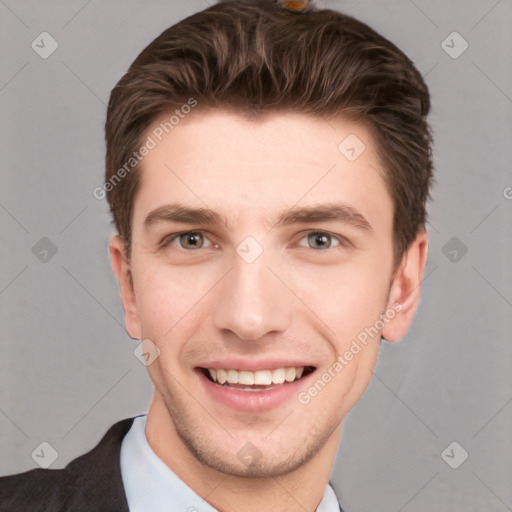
(122, 271)
(406, 288)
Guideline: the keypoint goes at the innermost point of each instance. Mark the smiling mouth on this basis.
(256, 381)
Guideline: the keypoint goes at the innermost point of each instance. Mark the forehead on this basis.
(242, 168)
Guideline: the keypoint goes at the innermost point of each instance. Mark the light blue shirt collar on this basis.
(151, 485)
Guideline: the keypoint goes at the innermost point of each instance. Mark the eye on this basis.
(321, 240)
(189, 240)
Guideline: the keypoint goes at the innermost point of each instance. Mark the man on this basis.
(267, 170)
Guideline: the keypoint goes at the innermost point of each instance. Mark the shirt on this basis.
(151, 485)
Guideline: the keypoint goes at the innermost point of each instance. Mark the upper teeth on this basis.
(260, 377)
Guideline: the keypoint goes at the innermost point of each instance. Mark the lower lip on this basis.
(263, 400)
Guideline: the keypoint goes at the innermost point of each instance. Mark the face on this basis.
(262, 270)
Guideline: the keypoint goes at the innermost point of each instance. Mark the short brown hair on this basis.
(256, 57)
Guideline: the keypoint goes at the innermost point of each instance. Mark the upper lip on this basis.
(253, 365)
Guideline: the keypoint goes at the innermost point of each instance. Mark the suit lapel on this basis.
(94, 479)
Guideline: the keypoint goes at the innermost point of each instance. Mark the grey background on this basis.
(67, 367)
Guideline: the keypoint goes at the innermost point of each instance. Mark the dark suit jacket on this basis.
(89, 483)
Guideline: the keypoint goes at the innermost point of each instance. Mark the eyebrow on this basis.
(176, 212)
(340, 212)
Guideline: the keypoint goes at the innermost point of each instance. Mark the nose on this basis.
(252, 302)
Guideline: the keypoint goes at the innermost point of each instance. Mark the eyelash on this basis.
(341, 241)
(176, 236)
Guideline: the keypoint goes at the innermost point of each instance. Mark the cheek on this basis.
(347, 298)
(167, 299)
(169, 306)
(349, 302)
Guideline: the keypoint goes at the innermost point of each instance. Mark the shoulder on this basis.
(34, 490)
(90, 482)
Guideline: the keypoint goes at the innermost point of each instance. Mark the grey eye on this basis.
(191, 240)
(319, 240)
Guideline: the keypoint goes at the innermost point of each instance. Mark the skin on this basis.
(301, 296)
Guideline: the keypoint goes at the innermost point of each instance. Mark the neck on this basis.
(301, 490)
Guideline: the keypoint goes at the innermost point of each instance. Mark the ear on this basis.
(406, 288)
(122, 271)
